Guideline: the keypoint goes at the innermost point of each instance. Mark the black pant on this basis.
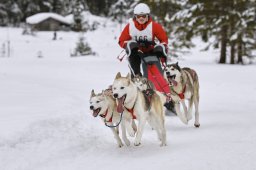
(135, 61)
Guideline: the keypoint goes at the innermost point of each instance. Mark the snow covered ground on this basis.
(46, 123)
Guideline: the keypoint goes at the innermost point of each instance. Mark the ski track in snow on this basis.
(46, 123)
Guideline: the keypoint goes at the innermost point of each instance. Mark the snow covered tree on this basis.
(3, 14)
(99, 7)
(15, 14)
(119, 10)
(230, 23)
(82, 48)
(160, 9)
(242, 29)
(78, 18)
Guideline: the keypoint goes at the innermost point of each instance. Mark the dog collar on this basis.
(105, 115)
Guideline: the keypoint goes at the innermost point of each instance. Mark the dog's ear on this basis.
(128, 76)
(118, 75)
(92, 93)
(178, 67)
(103, 93)
(144, 80)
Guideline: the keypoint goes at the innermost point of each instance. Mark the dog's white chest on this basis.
(187, 94)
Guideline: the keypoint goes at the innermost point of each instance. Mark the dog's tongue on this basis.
(120, 107)
(96, 112)
(173, 82)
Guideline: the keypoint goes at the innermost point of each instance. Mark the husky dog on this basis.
(143, 83)
(132, 102)
(184, 84)
(146, 87)
(104, 105)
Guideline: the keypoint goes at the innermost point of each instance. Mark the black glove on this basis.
(160, 50)
(131, 47)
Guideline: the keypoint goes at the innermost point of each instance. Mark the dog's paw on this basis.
(120, 145)
(189, 116)
(184, 120)
(127, 142)
(136, 144)
(131, 133)
(163, 144)
(197, 125)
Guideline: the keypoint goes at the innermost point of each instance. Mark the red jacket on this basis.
(157, 31)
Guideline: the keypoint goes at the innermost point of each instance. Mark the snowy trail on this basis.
(46, 124)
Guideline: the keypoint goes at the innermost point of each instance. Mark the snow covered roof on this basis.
(39, 17)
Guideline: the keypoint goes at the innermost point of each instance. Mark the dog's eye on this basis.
(97, 101)
(172, 69)
(121, 87)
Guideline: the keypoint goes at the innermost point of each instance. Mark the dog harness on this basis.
(131, 111)
(181, 95)
(147, 95)
(105, 115)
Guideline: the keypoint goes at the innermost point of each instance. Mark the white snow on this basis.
(46, 123)
(87, 17)
(39, 17)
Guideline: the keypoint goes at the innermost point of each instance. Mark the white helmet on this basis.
(141, 9)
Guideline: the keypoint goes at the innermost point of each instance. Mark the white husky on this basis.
(186, 86)
(132, 102)
(104, 105)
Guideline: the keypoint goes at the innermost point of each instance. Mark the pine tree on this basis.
(230, 23)
(3, 14)
(78, 18)
(118, 10)
(82, 48)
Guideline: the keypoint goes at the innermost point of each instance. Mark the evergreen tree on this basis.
(82, 48)
(99, 7)
(78, 18)
(118, 10)
(230, 23)
(15, 14)
(3, 14)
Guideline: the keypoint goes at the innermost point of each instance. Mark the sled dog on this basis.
(184, 84)
(104, 105)
(132, 102)
(143, 83)
(147, 88)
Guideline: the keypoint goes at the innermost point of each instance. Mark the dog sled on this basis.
(153, 71)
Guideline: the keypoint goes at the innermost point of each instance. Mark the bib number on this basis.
(141, 38)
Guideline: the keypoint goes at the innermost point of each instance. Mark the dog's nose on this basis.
(115, 95)
(91, 107)
(167, 73)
